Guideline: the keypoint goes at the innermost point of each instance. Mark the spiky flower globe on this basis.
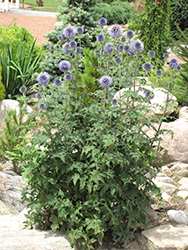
(126, 48)
(129, 34)
(79, 30)
(23, 89)
(149, 94)
(136, 46)
(123, 39)
(165, 55)
(173, 64)
(38, 95)
(118, 60)
(140, 57)
(158, 72)
(73, 44)
(66, 48)
(68, 77)
(102, 21)
(61, 37)
(151, 53)
(100, 38)
(69, 32)
(105, 81)
(43, 78)
(178, 68)
(114, 101)
(42, 106)
(115, 31)
(97, 52)
(78, 50)
(64, 66)
(57, 82)
(147, 66)
(119, 47)
(108, 47)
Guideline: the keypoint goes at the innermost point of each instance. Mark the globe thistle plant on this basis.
(123, 39)
(108, 47)
(178, 68)
(105, 81)
(100, 38)
(68, 77)
(66, 48)
(102, 21)
(97, 52)
(57, 82)
(147, 66)
(129, 34)
(80, 31)
(64, 66)
(78, 50)
(173, 63)
(61, 37)
(42, 106)
(38, 95)
(23, 89)
(69, 32)
(114, 102)
(118, 60)
(151, 53)
(149, 94)
(136, 46)
(72, 44)
(126, 48)
(165, 55)
(43, 78)
(158, 72)
(115, 31)
(119, 47)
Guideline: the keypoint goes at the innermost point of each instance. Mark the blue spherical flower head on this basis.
(173, 63)
(108, 47)
(178, 68)
(97, 52)
(66, 48)
(105, 81)
(43, 78)
(57, 82)
(147, 66)
(73, 44)
(149, 94)
(129, 34)
(100, 38)
(38, 95)
(78, 50)
(136, 46)
(115, 31)
(68, 77)
(126, 48)
(118, 60)
(61, 37)
(23, 89)
(151, 53)
(119, 47)
(114, 102)
(69, 32)
(123, 39)
(64, 66)
(158, 72)
(52, 48)
(80, 30)
(102, 21)
(42, 106)
(140, 57)
(165, 55)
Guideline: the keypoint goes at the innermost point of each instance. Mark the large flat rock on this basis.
(165, 237)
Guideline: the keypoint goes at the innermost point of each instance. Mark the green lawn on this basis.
(49, 5)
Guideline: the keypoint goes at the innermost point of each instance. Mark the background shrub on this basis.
(116, 12)
(179, 17)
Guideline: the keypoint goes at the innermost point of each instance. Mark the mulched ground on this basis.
(38, 26)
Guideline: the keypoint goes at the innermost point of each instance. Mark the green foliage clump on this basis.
(179, 17)
(153, 25)
(12, 35)
(14, 135)
(19, 62)
(115, 12)
(85, 4)
(2, 87)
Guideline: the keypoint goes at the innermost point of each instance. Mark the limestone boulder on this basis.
(157, 104)
(164, 237)
(183, 113)
(6, 105)
(10, 192)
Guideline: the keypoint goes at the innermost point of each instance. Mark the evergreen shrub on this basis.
(86, 170)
